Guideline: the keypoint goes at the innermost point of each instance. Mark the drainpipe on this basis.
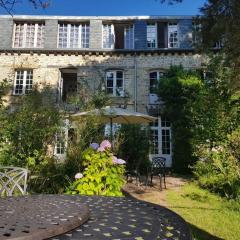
(135, 82)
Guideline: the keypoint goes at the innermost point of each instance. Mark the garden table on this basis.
(110, 218)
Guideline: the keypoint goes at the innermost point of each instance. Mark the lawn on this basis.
(209, 216)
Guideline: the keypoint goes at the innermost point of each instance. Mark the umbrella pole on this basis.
(111, 130)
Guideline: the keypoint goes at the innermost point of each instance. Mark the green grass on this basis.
(209, 216)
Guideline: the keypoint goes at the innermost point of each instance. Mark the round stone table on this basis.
(125, 218)
(40, 216)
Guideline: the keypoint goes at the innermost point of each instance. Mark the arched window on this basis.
(115, 83)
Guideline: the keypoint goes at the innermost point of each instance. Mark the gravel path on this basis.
(152, 193)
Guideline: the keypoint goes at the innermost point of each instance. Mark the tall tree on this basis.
(220, 21)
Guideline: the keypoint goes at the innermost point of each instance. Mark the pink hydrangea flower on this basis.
(105, 144)
(114, 159)
(78, 176)
(101, 149)
(95, 146)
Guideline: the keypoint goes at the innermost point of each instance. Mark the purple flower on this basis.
(119, 161)
(105, 144)
(78, 176)
(95, 146)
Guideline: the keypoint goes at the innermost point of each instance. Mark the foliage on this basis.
(220, 21)
(208, 215)
(102, 174)
(30, 129)
(49, 177)
(135, 146)
(28, 133)
(86, 130)
(219, 168)
(178, 89)
(3, 88)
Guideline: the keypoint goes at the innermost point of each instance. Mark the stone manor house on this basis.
(128, 54)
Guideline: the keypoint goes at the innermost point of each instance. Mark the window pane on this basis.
(165, 141)
(29, 81)
(114, 83)
(40, 35)
(29, 35)
(108, 38)
(154, 139)
(129, 37)
(63, 36)
(165, 122)
(74, 36)
(18, 38)
(85, 36)
(19, 77)
(154, 78)
(151, 36)
(60, 142)
(173, 36)
(23, 81)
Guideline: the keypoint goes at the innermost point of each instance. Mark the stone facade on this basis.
(47, 69)
(56, 66)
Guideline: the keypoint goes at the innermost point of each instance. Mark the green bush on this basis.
(103, 173)
(135, 147)
(219, 169)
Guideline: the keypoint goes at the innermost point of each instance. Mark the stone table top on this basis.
(40, 216)
(124, 218)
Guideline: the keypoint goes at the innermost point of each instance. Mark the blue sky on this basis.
(110, 7)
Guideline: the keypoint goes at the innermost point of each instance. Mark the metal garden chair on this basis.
(158, 168)
(13, 180)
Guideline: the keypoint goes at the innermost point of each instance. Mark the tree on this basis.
(9, 5)
(220, 21)
(178, 89)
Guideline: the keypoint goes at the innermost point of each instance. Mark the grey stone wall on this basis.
(51, 34)
(95, 34)
(6, 32)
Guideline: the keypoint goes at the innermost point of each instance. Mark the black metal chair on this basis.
(158, 168)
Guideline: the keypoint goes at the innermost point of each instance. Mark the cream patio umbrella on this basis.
(116, 115)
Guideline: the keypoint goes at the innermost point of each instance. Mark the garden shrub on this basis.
(103, 173)
(219, 168)
(135, 147)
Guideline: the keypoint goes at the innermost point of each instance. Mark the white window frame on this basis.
(114, 72)
(155, 38)
(159, 129)
(166, 128)
(24, 84)
(127, 40)
(37, 27)
(173, 27)
(69, 27)
(64, 133)
(112, 32)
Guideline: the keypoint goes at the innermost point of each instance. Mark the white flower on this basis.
(78, 176)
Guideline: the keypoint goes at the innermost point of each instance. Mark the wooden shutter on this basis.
(119, 36)
(161, 29)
